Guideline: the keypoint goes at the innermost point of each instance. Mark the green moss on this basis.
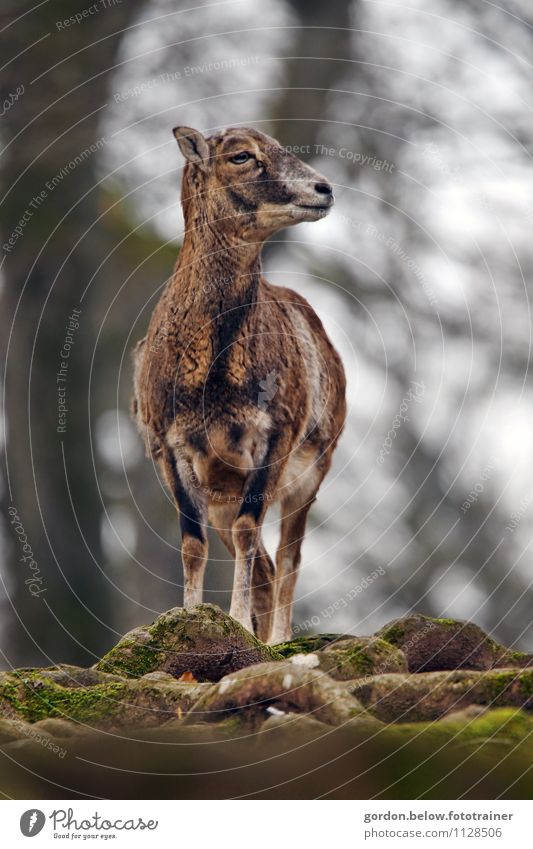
(360, 662)
(394, 635)
(159, 631)
(517, 657)
(445, 623)
(499, 724)
(33, 697)
(362, 657)
(526, 682)
(514, 724)
(499, 682)
(307, 644)
(131, 659)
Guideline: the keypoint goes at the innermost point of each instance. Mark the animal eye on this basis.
(240, 158)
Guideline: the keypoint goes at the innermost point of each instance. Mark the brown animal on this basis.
(239, 394)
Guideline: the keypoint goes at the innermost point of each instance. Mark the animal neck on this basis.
(214, 263)
(214, 293)
(216, 269)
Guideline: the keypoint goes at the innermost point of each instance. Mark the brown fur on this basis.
(239, 393)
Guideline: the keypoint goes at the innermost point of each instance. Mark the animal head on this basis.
(246, 184)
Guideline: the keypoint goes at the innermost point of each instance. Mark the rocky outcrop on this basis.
(192, 706)
(198, 676)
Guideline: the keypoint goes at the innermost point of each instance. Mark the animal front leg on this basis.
(194, 547)
(245, 535)
(194, 557)
(246, 530)
(263, 573)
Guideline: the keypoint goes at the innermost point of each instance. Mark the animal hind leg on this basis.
(246, 529)
(294, 509)
(288, 556)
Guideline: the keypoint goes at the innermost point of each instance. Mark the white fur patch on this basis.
(287, 682)
(225, 685)
(300, 472)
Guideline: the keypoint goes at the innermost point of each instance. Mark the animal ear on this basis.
(192, 144)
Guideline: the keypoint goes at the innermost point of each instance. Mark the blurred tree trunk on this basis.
(321, 42)
(48, 132)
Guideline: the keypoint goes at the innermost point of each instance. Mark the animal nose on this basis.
(324, 189)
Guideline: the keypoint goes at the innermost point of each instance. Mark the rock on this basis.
(66, 675)
(176, 731)
(204, 641)
(307, 661)
(13, 729)
(463, 717)
(431, 695)
(358, 657)
(509, 657)
(284, 686)
(109, 702)
(310, 643)
(60, 727)
(33, 746)
(435, 644)
(296, 729)
(158, 676)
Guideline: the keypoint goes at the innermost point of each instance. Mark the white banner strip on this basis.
(239, 824)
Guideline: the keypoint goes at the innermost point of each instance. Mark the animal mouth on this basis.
(323, 206)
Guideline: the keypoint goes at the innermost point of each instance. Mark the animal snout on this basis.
(324, 188)
(323, 192)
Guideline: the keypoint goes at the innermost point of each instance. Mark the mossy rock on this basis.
(107, 702)
(309, 643)
(436, 644)
(67, 675)
(467, 727)
(283, 686)
(359, 657)
(431, 695)
(204, 641)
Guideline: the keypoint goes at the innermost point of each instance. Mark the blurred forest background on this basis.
(420, 113)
